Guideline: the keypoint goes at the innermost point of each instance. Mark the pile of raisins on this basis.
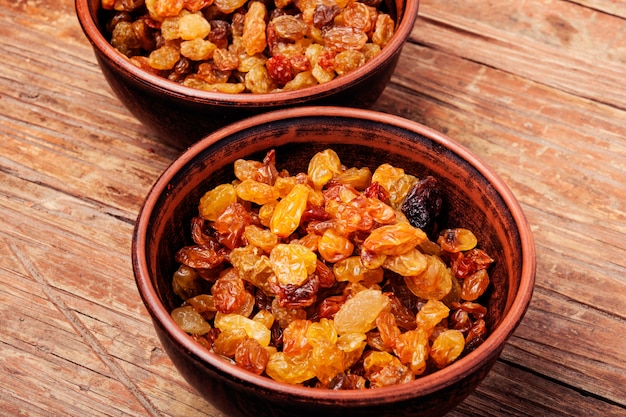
(323, 278)
(252, 46)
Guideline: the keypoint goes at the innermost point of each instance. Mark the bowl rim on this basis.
(425, 385)
(104, 49)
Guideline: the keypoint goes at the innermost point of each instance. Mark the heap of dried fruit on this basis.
(236, 46)
(326, 278)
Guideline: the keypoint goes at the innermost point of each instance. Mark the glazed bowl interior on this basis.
(475, 198)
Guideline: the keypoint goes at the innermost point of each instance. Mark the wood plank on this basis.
(133, 343)
(510, 391)
(46, 366)
(574, 49)
(613, 7)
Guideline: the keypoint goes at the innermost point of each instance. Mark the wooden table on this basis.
(536, 87)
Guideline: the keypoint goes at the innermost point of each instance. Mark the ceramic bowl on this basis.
(182, 115)
(475, 198)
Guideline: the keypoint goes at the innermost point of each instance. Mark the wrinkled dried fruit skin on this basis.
(457, 240)
(199, 257)
(447, 347)
(433, 283)
(289, 210)
(395, 239)
(253, 329)
(383, 369)
(252, 356)
(359, 313)
(333, 247)
(254, 39)
(190, 320)
(292, 263)
(316, 278)
(422, 206)
(475, 285)
(229, 294)
(213, 202)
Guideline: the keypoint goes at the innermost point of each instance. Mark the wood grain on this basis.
(535, 88)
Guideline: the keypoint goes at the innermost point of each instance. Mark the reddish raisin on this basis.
(279, 69)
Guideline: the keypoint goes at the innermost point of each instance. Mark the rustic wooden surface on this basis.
(536, 87)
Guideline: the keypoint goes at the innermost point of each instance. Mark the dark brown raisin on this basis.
(323, 15)
(220, 33)
(422, 205)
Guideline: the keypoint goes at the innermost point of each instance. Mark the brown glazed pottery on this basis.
(475, 198)
(181, 115)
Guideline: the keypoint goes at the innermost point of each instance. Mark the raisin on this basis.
(342, 38)
(193, 26)
(285, 368)
(213, 202)
(292, 263)
(190, 320)
(334, 247)
(212, 74)
(358, 314)
(200, 256)
(254, 38)
(412, 349)
(383, 30)
(323, 166)
(383, 369)
(457, 240)
(229, 294)
(124, 39)
(396, 182)
(180, 70)
(227, 342)
(256, 192)
(279, 68)
(253, 329)
(297, 296)
(422, 206)
(357, 15)
(434, 283)
(431, 314)
(447, 347)
(395, 239)
(475, 285)
(220, 33)
(327, 361)
(388, 329)
(228, 6)
(258, 80)
(230, 225)
(197, 49)
(252, 356)
(159, 9)
(185, 282)
(196, 5)
(324, 14)
(288, 212)
(289, 27)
